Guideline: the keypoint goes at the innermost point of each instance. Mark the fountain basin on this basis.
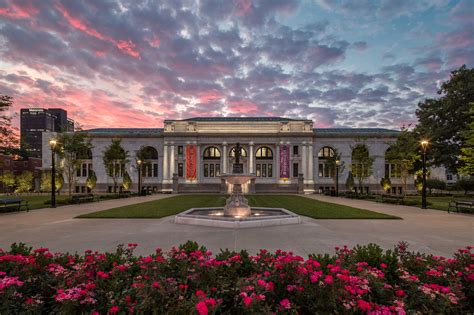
(258, 217)
(238, 179)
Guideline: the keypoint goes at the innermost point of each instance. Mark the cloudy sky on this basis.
(342, 63)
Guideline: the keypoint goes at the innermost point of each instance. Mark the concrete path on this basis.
(429, 231)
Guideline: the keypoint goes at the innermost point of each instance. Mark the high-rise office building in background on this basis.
(34, 121)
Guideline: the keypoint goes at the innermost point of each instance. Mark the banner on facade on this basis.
(284, 162)
(191, 162)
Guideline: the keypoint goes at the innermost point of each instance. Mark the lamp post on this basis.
(139, 164)
(424, 146)
(53, 144)
(338, 162)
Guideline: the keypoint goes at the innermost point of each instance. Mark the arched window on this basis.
(149, 157)
(150, 153)
(211, 159)
(211, 153)
(326, 169)
(264, 165)
(264, 153)
(325, 153)
(243, 152)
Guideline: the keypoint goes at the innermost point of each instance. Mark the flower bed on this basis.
(189, 279)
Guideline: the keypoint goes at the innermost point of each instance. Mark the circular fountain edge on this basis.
(288, 217)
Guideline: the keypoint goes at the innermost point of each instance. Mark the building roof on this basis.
(350, 132)
(125, 131)
(236, 119)
(321, 132)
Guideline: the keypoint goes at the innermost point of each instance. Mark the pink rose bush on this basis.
(190, 280)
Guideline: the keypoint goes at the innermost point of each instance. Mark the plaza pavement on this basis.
(430, 231)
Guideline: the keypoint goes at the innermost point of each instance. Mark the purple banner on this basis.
(285, 161)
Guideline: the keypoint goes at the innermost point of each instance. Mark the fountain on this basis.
(237, 205)
(237, 213)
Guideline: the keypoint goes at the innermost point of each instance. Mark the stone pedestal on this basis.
(175, 183)
(237, 205)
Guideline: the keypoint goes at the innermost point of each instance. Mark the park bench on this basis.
(461, 204)
(13, 203)
(125, 194)
(392, 198)
(82, 198)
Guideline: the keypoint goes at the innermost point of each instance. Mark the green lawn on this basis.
(438, 203)
(37, 202)
(299, 205)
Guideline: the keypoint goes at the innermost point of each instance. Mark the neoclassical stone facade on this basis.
(286, 155)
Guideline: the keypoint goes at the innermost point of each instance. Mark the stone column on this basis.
(172, 161)
(310, 162)
(198, 162)
(165, 163)
(224, 157)
(277, 168)
(303, 160)
(251, 158)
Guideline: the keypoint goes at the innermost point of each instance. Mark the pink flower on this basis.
(383, 266)
(329, 279)
(155, 284)
(102, 274)
(201, 308)
(114, 309)
(247, 300)
(363, 305)
(200, 293)
(285, 303)
(210, 301)
(400, 293)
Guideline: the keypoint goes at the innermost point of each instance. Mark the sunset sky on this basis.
(131, 63)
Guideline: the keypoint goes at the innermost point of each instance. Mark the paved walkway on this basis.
(430, 231)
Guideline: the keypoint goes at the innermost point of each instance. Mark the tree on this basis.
(24, 182)
(405, 152)
(444, 120)
(115, 158)
(332, 161)
(362, 164)
(350, 182)
(91, 181)
(467, 151)
(386, 184)
(127, 181)
(466, 184)
(8, 180)
(8, 137)
(72, 149)
(435, 183)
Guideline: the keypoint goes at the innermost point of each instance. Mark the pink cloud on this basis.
(127, 46)
(209, 96)
(242, 107)
(242, 7)
(17, 11)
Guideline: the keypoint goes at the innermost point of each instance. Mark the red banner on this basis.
(191, 162)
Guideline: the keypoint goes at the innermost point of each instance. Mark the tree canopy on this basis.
(404, 152)
(467, 152)
(445, 120)
(73, 148)
(8, 138)
(115, 157)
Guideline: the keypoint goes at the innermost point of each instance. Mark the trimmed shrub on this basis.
(189, 280)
